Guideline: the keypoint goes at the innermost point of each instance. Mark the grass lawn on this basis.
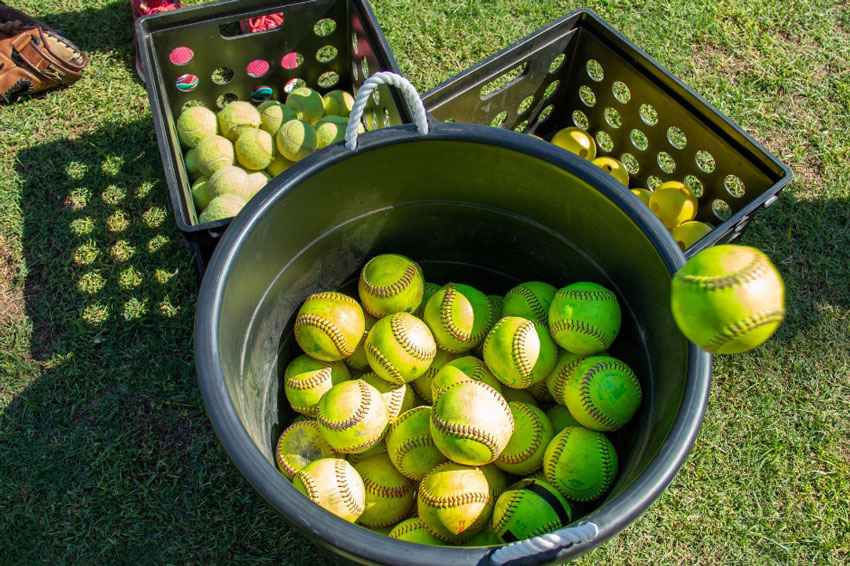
(106, 452)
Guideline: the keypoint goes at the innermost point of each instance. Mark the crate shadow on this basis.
(108, 456)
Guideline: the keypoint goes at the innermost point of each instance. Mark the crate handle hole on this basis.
(324, 27)
(364, 66)
(604, 141)
(666, 162)
(631, 163)
(545, 113)
(292, 84)
(504, 80)
(550, 90)
(225, 99)
(257, 68)
(261, 93)
(652, 182)
(525, 105)
(291, 60)
(522, 126)
(355, 43)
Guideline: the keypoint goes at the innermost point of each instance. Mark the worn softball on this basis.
(410, 446)
(519, 352)
(561, 417)
(389, 495)
(496, 302)
(518, 395)
(565, 365)
(428, 292)
(471, 423)
(460, 369)
(529, 508)
(357, 360)
(604, 394)
(453, 501)
(728, 299)
(459, 317)
(329, 326)
(299, 444)
(422, 384)
(352, 416)
(530, 300)
(532, 433)
(540, 392)
(584, 318)
(390, 283)
(399, 398)
(333, 484)
(306, 379)
(379, 448)
(414, 530)
(580, 463)
(497, 481)
(400, 347)
(485, 537)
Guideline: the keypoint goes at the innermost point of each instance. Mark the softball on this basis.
(357, 360)
(429, 290)
(459, 317)
(352, 416)
(496, 302)
(379, 448)
(389, 495)
(300, 444)
(306, 379)
(532, 433)
(460, 369)
(398, 398)
(400, 347)
(528, 509)
(335, 485)
(584, 318)
(540, 392)
(580, 463)
(410, 446)
(519, 352)
(497, 481)
(422, 384)
(604, 395)
(518, 395)
(453, 502)
(390, 283)
(413, 530)
(561, 418)
(471, 423)
(329, 326)
(530, 300)
(728, 299)
(565, 365)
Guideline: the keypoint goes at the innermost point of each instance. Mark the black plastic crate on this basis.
(337, 44)
(579, 71)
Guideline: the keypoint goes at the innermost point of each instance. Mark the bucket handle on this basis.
(548, 546)
(369, 85)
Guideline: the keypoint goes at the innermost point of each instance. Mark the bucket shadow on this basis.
(108, 455)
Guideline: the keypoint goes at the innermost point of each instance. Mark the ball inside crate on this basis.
(471, 204)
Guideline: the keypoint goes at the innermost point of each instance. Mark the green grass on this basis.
(107, 454)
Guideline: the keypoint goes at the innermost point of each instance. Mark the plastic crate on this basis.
(336, 44)
(580, 71)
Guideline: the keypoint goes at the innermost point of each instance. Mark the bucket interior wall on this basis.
(488, 216)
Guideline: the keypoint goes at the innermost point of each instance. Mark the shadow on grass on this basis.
(108, 456)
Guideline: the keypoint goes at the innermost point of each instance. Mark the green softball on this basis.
(379, 448)
(496, 302)
(565, 364)
(329, 326)
(422, 384)
(399, 398)
(390, 283)
(298, 445)
(352, 416)
(584, 318)
(335, 485)
(306, 379)
(400, 347)
(453, 502)
(357, 360)
(459, 369)
(471, 423)
(414, 530)
(532, 433)
(580, 463)
(519, 352)
(410, 446)
(530, 300)
(427, 293)
(604, 395)
(519, 395)
(390, 496)
(528, 509)
(561, 417)
(459, 316)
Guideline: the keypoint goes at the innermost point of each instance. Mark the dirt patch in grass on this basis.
(710, 58)
(12, 304)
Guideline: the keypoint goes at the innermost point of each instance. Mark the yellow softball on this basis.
(329, 326)
(300, 444)
(358, 360)
(519, 352)
(460, 369)
(390, 496)
(604, 394)
(529, 300)
(335, 485)
(584, 317)
(532, 433)
(414, 530)
(306, 379)
(580, 463)
(459, 316)
(352, 416)
(565, 365)
(400, 347)
(422, 384)
(390, 283)
(453, 502)
(399, 398)
(410, 446)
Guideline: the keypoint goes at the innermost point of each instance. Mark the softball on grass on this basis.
(471, 423)
(214, 152)
(254, 149)
(532, 433)
(529, 508)
(459, 316)
(604, 393)
(352, 416)
(299, 445)
(453, 501)
(329, 326)
(728, 299)
(673, 203)
(400, 347)
(414, 530)
(422, 384)
(519, 352)
(580, 463)
(194, 124)
(306, 379)
(390, 496)
(565, 365)
(410, 446)
(584, 318)
(529, 300)
(461, 369)
(296, 140)
(398, 397)
(333, 484)
(236, 117)
(390, 283)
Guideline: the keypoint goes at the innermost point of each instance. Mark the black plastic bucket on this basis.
(472, 204)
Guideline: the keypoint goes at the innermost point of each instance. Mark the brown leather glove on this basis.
(34, 57)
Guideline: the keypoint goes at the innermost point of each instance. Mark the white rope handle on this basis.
(558, 540)
(369, 85)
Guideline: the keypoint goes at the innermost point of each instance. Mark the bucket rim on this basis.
(364, 545)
